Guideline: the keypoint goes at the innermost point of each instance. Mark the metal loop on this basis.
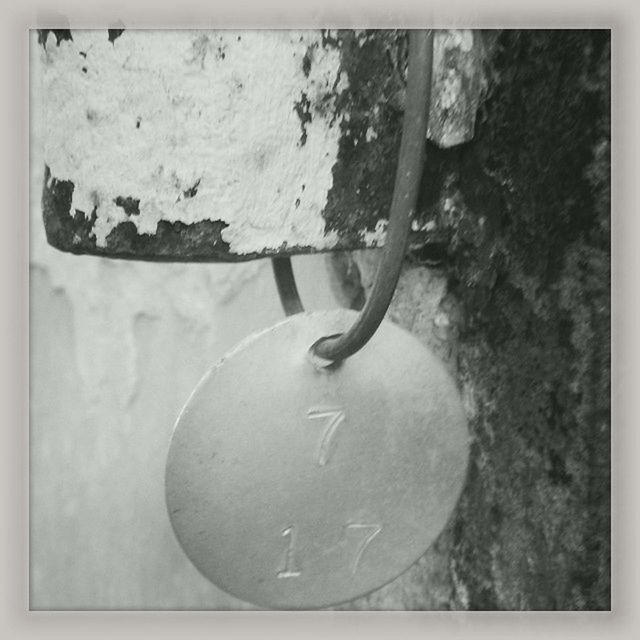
(286, 283)
(403, 204)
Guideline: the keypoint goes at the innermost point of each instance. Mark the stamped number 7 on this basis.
(367, 532)
(334, 417)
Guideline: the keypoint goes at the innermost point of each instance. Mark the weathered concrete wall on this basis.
(530, 264)
(520, 304)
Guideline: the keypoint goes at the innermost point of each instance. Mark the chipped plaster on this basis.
(195, 126)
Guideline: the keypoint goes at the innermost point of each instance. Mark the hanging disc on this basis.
(292, 486)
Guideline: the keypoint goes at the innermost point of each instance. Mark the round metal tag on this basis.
(294, 486)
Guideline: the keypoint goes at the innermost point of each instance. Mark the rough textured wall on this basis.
(222, 145)
(522, 289)
(534, 284)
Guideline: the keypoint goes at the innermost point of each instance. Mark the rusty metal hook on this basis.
(405, 195)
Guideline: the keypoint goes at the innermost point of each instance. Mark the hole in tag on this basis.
(320, 363)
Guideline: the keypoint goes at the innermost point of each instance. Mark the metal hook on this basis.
(403, 204)
(286, 283)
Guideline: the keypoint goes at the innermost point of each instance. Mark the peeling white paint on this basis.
(371, 134)
(376, 237)
(156, 112)
(107, 297)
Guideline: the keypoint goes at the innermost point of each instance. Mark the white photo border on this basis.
(619, 15)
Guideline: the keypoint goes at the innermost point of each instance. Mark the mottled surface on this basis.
(523, 295)
(230, 129)
(533, 279)
(200, 146)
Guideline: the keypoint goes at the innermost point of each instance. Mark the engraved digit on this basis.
(370, 532)
(289, 570)
(335, 417)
